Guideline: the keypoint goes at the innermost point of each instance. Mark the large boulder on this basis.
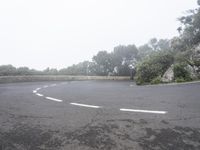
(168, 75)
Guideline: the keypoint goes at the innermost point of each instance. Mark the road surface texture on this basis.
(106, 115)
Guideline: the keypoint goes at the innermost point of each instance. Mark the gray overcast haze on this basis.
(59, 33)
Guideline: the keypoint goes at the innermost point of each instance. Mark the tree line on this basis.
(103, 63)
(149, 61)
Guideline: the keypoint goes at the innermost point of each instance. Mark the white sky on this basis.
(59, 33)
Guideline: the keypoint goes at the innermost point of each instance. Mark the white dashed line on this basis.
(144, 111)
(95, 106)
(38, 89)
(38, 94)
(84, 105)
(54, 99)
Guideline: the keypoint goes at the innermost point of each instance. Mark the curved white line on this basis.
(95, 106)
(38, 94)
(54, 99)
(144, 111)
(37, 89)
(85, 105)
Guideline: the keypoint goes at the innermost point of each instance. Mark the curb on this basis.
(174, 83)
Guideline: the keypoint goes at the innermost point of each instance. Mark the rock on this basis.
(168, 75)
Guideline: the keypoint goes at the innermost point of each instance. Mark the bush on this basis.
(156, 80)
(155, 66)
(181, 74)
(138, 80)
(180, 80)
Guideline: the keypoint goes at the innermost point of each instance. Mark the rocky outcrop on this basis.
(168, 75)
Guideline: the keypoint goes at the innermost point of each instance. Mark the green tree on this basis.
(123, 56)
(190, 29)
(6, 70)
(103, 61)
(153, 67)
(24, 71)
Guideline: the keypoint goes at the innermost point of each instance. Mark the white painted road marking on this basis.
(94, 106)
(84, 105)
(144, 111)
(38, 89)
(38, 94)
(54, 99)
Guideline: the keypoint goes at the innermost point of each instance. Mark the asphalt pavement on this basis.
(91, 115)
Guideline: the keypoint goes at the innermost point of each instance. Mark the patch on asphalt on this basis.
(106, 134)
(23, 137)
(177, 138)
(94, 136)
(114, 134)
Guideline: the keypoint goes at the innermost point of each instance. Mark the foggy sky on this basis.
(59, 33)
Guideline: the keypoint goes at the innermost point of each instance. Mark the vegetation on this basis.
(183, 52)
(156, 80)
(152, 68)
(9, 70)
(181, 73)
(150, 61)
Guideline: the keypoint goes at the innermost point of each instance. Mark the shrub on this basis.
(138, 80)
(155, 66)
(181, 74)
(156, 80)
(180, 80)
